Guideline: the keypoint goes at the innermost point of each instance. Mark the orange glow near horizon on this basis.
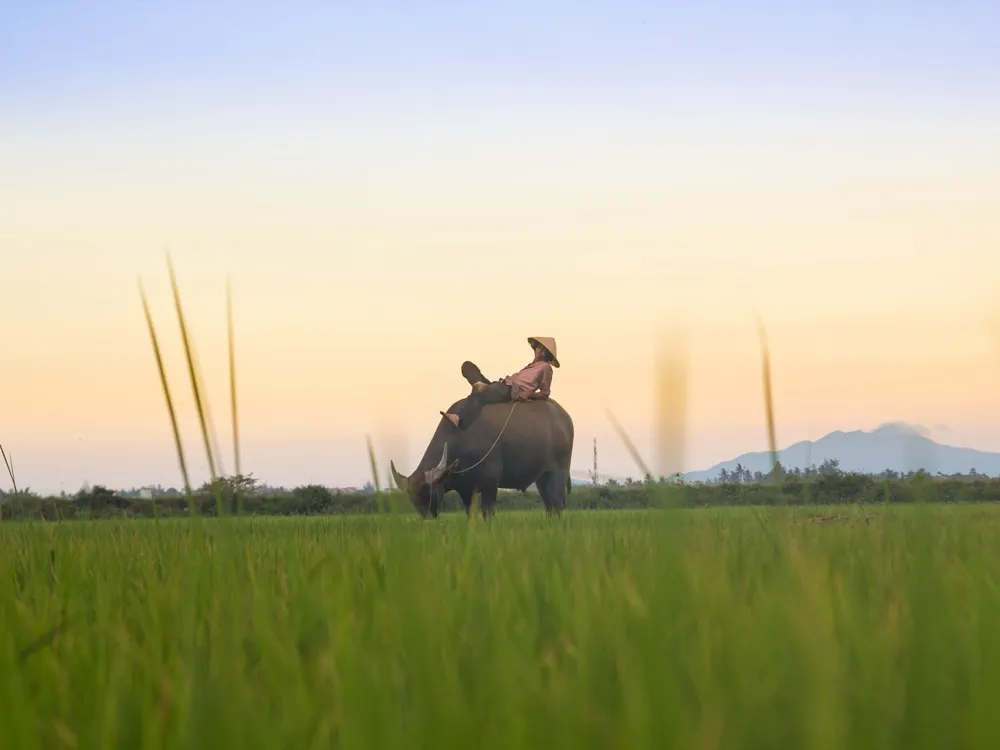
(354, 307)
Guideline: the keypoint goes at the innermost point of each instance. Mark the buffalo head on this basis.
(426, 488)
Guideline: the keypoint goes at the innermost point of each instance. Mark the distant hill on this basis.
(895, 446)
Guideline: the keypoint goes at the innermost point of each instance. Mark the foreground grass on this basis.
(826, 628)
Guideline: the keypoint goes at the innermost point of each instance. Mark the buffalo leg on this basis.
(552, 489)
(467, 501)
(488, 499)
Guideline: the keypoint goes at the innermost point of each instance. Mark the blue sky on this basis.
(69, 57)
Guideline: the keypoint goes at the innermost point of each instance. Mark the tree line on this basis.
(245, 495)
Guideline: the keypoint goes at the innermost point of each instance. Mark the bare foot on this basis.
(451, 418)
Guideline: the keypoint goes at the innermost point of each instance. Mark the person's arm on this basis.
(544, 388)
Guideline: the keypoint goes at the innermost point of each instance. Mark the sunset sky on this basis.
(395, 187)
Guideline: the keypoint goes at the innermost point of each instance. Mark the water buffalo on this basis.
(535, 447)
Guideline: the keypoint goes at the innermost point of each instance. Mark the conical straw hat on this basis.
(548, 343)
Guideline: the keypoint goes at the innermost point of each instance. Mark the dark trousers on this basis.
(494, 393)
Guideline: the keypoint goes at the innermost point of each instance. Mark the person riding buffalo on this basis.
(532, 382)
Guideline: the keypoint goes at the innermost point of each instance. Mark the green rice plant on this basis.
(609, 629)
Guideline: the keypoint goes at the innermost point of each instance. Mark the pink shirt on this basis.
(537, 376)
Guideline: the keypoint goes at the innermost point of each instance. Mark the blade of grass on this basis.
(232, 395)
(212, 434)
(10, 469)
(391, 491)
(765, 359)
(375, 480)
(193, 374)
(191, 368)
(629, 445)
(209, 421)
(169, 399)
(670, 397)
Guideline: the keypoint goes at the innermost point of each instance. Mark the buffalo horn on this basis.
(435, 474)
(401, 481)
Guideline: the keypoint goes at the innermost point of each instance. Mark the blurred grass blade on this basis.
(232, 395)
(670, 397)
(210, 423)
(232, 379)
(10, 469)
(375, 480)
(192, 372)
(629, 445)
(765, 359)
(212, 434)
(167, 396)
(197, 389)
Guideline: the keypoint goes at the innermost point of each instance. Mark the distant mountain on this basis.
(895, 446)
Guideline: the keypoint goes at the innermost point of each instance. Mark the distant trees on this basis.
(829, 468)
(243, 484)
(740, 474)
(824, 485)
(234, 489)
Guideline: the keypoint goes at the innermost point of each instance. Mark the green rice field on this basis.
(716, 628)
